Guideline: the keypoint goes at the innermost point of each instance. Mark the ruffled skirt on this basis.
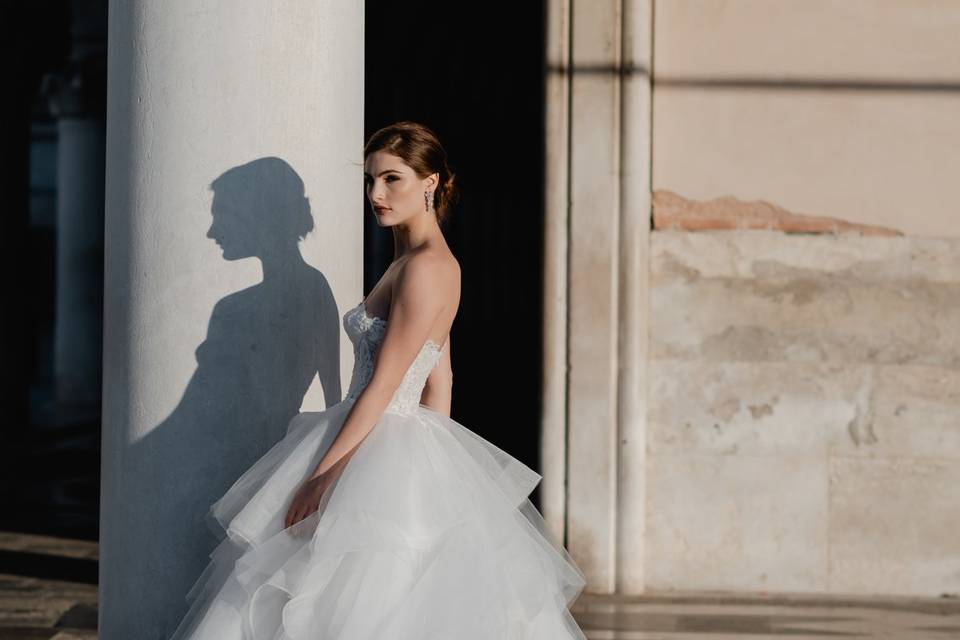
(427, 534)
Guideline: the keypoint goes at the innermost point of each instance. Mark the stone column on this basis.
(598, 147)
(633, 309)
(77, 336)
(233, 246)
(76, 98)
(553, 429)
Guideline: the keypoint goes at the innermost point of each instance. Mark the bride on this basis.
(381, 517)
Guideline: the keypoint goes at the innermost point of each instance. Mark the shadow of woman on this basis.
(264, 345)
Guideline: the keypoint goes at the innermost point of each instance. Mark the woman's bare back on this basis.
(378, 301)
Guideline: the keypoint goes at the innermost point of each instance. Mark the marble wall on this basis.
(804, 422)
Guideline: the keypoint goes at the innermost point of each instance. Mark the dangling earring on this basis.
(428, 198)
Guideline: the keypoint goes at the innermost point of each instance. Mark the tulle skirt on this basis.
(427, 534)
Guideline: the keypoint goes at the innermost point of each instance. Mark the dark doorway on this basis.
(474, 73)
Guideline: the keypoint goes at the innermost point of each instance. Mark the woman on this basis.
(381, 517)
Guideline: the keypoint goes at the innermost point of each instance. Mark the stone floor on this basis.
(723, 616)
(48, 588)
(48, 591)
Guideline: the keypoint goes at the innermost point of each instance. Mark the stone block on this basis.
(893, 526)
(821, 41)
(875, 158)
(795, 308)
(736, 522)
(752, 409)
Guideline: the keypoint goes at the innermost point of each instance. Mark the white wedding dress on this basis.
(427, 534)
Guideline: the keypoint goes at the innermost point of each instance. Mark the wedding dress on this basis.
(427, 534)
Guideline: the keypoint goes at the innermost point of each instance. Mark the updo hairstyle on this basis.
(419, 148)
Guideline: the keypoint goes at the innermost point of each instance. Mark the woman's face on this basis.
(393, 189)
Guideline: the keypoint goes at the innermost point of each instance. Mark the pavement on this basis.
(48, 587)
(48, 591)
(724, 616)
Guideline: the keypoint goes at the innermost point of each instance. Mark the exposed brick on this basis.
(672, 211)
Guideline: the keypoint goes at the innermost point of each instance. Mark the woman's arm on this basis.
(416, 303)
(438, 391)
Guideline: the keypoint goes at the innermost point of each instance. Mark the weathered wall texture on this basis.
(837, 108)
(804, 423)
(802, 431)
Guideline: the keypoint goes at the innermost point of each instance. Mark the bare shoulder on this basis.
(431, 277)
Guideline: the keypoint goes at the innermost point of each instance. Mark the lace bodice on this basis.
(366, 332)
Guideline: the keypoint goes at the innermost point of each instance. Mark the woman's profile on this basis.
(381, 517)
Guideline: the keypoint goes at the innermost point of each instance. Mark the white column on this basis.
(596, 252)
(634, 313)
(592, 311)
(218, 319)
(553, 426)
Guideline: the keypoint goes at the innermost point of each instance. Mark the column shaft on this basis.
(233, 213)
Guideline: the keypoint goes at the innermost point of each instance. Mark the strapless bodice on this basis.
(366, 332)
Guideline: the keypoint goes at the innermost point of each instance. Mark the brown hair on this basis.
(418, 146)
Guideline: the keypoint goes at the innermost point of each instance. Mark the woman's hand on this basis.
(307, 498)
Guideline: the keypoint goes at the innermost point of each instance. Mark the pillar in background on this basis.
(596, 251)
(553, 427)
(77, 98)
(77, 336)
(634, 287)
(233, 243)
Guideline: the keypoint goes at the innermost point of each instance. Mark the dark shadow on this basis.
(48, 567)
(264, 346)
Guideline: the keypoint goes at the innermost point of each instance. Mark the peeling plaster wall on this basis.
(836, 108)
(804, 421)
